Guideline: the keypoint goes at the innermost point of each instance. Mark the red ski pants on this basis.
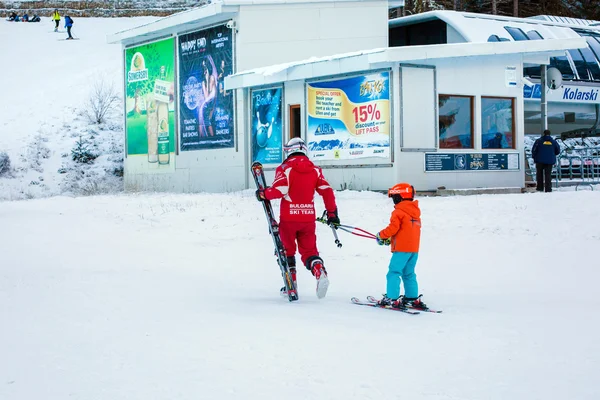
(304, 234)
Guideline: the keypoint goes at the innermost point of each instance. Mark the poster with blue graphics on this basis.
(267, 128)
(349, 118)
(205, 107)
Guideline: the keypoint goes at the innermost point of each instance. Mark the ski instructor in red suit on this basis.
(296, 181)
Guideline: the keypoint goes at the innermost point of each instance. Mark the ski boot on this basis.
(316, 267)
(291, 261)
(415, 303)
(387, 302)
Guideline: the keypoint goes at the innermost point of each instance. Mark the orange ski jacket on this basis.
(404, 230)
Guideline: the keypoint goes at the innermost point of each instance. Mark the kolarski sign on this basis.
(565, 94)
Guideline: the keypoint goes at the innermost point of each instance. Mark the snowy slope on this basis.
(47, 82)
(176, 297)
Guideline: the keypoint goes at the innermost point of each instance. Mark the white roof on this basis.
(479, 27)
(567, 20)
(376, 58)
(208, 14)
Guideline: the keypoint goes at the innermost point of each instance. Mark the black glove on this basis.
(382, 242)
(332, 217)
(260, 195)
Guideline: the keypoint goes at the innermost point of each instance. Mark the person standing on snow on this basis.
(544, 152)
(56, 19)
(296, 181)
(69, 25)
(404, 235)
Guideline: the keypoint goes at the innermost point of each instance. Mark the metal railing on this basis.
(580, 165)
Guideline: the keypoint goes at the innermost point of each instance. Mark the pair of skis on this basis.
(373, 302)
(288, 282)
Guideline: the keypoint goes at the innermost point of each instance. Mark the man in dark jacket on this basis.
(544, 151)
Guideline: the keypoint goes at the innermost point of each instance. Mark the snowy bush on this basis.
(4, 164)
(36, 152)
(83, 152)
(102, 99)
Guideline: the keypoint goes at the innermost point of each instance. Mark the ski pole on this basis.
(337, 241)
(333, 228)
(347, 228)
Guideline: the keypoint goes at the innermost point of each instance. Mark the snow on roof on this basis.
(475, 27)
(566, 20)
(204, 15)
(370, 59)
(213, 12)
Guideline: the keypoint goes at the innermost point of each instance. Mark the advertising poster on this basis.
(267, 127)
(349, 118)
(149, 104)
(206, 111)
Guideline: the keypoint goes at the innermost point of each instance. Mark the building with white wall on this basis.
(573, 108)
(378, 117)
(211, 90)
(182, 130)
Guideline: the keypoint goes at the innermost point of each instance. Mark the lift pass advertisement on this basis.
(349, 118)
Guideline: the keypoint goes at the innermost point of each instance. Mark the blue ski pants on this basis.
(402, 268)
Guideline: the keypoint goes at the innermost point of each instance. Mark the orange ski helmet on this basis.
(401, 191)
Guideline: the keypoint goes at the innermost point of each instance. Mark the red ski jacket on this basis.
(296, 181)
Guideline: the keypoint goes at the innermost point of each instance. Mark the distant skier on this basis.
(69, 25)
(404, 235)
(56, 19)
(296, 181)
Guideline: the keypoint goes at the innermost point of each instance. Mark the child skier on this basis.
(404, 235)
(296, 181)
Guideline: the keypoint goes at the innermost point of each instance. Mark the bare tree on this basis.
(103, 99)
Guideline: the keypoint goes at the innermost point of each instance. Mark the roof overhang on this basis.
(537, 52)
(189, 20)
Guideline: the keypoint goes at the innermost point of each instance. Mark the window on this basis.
(534, 35)
(579, 64)
(591, 63)
(497, 123)
(532, 72)
(594, 45)
(456, 122)
(496, 38)
(516, 33)
(563, 65)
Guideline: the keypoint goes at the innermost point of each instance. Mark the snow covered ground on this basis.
(176, 297)
(46, 84)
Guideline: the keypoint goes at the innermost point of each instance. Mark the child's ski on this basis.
(373, 300)
(359, 302)
(290, 286)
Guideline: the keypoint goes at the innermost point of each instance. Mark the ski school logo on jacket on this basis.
(137, 71)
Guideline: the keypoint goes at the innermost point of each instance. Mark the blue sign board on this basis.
(532, 92)
(437, 162)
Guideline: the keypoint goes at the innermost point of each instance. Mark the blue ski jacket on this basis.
(545, 150)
